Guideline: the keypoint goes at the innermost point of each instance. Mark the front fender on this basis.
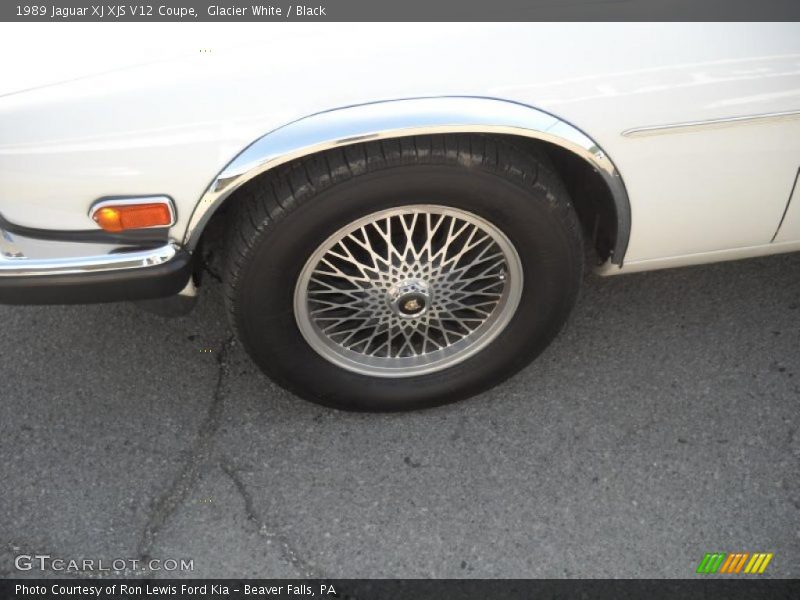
(400, 118)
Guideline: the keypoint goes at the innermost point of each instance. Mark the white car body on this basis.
(700, 121)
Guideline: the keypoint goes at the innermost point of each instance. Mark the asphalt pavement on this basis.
(660, 425)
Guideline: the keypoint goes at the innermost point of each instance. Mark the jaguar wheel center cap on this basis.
(410, 298)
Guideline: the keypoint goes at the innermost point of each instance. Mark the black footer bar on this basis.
(701, 588)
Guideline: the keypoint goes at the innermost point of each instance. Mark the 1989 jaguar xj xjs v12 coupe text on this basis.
(408, 209)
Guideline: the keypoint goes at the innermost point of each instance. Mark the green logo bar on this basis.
(711, 562)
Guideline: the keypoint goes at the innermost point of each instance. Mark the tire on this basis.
(285, 223)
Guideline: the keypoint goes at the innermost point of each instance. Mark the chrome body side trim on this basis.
(402, 118)
(28, 257)
(690, 126)
(128, 200)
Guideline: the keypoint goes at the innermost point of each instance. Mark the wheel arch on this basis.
(573, 150)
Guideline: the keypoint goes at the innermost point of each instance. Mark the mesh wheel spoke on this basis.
(408, 290)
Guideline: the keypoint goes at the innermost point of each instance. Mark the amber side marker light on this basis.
(122, 217)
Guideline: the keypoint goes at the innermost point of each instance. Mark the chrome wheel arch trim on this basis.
(404, 118)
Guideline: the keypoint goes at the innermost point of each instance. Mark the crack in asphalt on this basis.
(288, 551)
(177, 491)
(175, 494)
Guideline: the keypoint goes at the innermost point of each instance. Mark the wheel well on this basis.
(591, 197)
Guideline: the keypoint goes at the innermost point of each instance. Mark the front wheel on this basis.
(405, 274)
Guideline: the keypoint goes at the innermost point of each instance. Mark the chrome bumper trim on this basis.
(27, 257)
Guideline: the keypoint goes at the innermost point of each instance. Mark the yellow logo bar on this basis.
(758, 563)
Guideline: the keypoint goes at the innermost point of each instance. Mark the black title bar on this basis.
(407, 10)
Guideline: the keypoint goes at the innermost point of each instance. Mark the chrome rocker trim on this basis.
(402, 118)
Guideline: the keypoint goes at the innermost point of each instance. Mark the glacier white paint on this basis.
(74, 127)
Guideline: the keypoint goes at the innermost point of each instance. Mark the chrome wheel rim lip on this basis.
(501, 313)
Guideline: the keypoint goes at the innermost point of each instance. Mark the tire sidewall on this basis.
(529, 216)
